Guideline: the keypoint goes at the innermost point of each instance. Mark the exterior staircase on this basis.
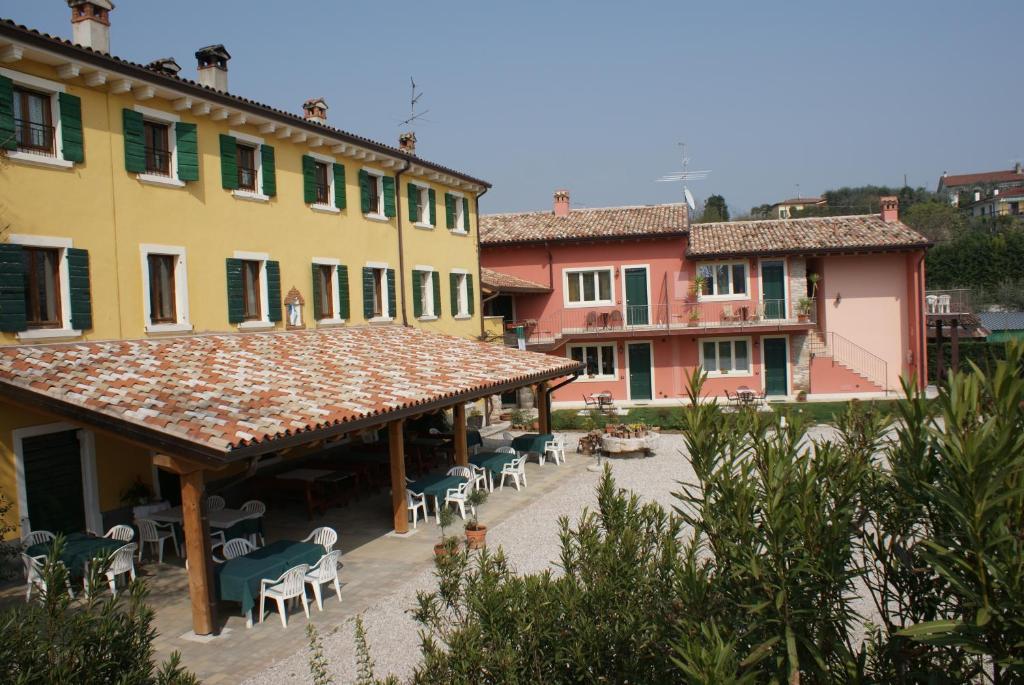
(842, 365)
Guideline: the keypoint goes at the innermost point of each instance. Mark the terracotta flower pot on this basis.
(476, 538)
(440, 550)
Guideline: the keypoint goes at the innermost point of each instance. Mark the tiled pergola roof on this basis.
(497, 281)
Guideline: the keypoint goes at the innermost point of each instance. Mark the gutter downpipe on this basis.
(479, 267)
(401, 244)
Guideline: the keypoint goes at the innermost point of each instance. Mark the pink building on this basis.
(830, 305)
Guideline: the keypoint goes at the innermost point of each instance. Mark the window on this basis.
(725, 356)
(322, 182)
(460, 215)
(246, 167)
(427, 293)
(591, 287)
(423, 206)
(375, 193)
(461, 294)
(158, 153)
(599, 359)
(723, 280)
(42, 287)
(33, 121)
(325, 286)
(379, 284)
(162, 299)
(252, 290)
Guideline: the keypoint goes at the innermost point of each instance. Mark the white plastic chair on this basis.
(323, 536)
(36, 537)
(325, 571)
(515, 470)
(481, 478)
(123, 561)
(414, 502)
(234, 548)
(121, 532)
(555, 449)
(461, 472)
(34, 575)
(255, 509)
(944, 302)
(290, 585)
(214, 503)
(156, 534)
(459, 496)
(932, 301)
(506, 449)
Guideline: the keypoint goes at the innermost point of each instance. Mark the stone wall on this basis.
(800, 362)
(797, 282)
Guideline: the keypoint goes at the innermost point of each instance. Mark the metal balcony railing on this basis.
(32, 136)
(955, 301)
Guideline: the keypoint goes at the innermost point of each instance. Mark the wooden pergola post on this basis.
(396, 448)
(940, 364)
(543, 418)
(954, 346)
(461, 448)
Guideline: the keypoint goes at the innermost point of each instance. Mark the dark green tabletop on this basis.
(238, 580)
(79, 548)
(531, 442)
(479, 458)
(436, 485)
(497, 463)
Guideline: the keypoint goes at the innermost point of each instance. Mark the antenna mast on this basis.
(685, 175)
(414, 98)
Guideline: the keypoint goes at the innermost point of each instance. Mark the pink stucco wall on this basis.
(828, 377)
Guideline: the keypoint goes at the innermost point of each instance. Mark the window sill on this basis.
(462, 317)
(427, 318)
(382, 319)
(157, 180)
(329, 323)
(731, 374)
(326, 209)
(47, 333)
(169, 327)
(250, 195)
(377, 217)
(456, 231)
(256, 325)
(723, 298)
(590, 305)
(39, 160)
(426, 227)
(597, 379)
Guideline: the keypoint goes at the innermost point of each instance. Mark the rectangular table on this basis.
(231, 522)
(436, 486)
(78, 550)
(531, 442)
(238, 579)
(311, 481)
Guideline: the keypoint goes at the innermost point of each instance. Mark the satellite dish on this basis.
(685, 175)
(689, 199)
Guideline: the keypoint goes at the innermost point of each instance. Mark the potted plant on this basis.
(445, 517)
(814, 279)
(694, 316)
(699, 281)
(803, 308)
(137, 493)
(801, 396)
(475, 420)
(476, 532)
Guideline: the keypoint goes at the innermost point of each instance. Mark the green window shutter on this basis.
(433, 208)
(453, 282)
(389, 196)
(339, 186)
(269, 170)
(228, 162)
(364, 191)
(78, 285)
(392, 301)
(72, 143)
(187, 140)
(435, 282)
(316, 291)
(308, 179)
(465, 214)
(414, 201)
(343, 308)
(449, 210)
(7, 140)
(12, 289)
(274, 291)
(470, 309)
(236, 308)
(417, 294)
(367, 292)
(134, 142)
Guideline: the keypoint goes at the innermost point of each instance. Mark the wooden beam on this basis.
(176, 464)
(461, 449)
(954, 346)
(197, 545)
(542, 408)
(396, 445)
(940, 365)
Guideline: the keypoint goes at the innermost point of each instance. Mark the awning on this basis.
(498, 282)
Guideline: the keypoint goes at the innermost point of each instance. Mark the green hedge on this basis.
(982, 353)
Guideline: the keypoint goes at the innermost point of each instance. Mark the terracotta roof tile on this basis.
(498, 281)
(223, 392)
(785, 236)
(1008, 175)
(584, 224)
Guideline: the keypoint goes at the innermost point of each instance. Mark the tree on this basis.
(938, 221)
(715, 209)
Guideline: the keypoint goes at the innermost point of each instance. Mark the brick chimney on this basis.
(890, 208)
(213, 67)
(315, 110)
(561, 203)
(407, 142)
(90, 23)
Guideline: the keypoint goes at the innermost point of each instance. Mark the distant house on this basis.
(974, 187)
(997, 202)
(1003, 326)
(785, 209)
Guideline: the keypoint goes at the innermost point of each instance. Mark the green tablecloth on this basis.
(436, 486)
(493, 461)
(531, 442)
(79, 548)
(238, 580)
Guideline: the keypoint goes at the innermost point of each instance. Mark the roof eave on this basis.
(585, 239)
(909, 247)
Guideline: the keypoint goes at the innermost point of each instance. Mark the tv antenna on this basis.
(685, 175)
(414, 99)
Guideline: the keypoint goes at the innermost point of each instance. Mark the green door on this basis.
(53, 482)
(773, 290)
(639, 370)
(637, 313)
(774, 353)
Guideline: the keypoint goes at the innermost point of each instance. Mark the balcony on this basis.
(948, 302)
(674, 317)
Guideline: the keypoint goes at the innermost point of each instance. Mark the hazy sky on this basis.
(593, 96)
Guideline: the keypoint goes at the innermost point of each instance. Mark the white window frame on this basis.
(423, 205)
(599, 377)
(171, 120)
(257, 142)
(328, 208)
(734, 373)
(61, 244)
(597, 289)
(704, 297)
(264, 322)
(428, 306)
(460, 214)
(334, 294)
(54, 89)
(180, 289)
(386, 306)
(378, 176)
(462, 295)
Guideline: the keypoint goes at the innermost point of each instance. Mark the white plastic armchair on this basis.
(481, 479)
(156, 534)
(256, 509)
(506, 449)
(459, 496)
(290, 585)
(122, 562)
(416, 502)
(461, 472)
(516, 470)
(234, 548)
(121, 532)
(555, 450)
(214, 503)
(37, 537)
(34, 575)
(325, 571)
(323, 536)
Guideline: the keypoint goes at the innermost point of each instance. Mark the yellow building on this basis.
(139, 204)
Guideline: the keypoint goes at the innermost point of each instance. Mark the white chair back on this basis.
(214, 503)
(292, 582)
(36, 537)
(147, 530)
(323, 536)
(33, 567)
(121, 532)
(434, 431)
(236, 547)
(409, 496)
(327, 568)
(506, 450)
(121, 561)
(254, 506)
(461, 471)
(519, 464)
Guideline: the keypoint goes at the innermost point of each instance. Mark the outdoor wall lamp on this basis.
(839, 298)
